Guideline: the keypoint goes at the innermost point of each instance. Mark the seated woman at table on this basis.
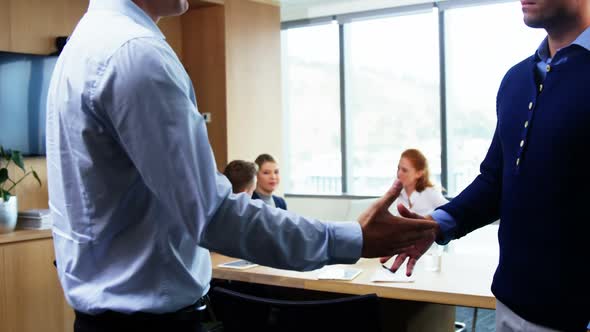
(242, 176)
(418, 194)
(267, 180)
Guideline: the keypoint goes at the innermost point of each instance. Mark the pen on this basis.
(385, 267)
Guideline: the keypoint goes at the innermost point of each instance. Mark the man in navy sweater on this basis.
(532, 178)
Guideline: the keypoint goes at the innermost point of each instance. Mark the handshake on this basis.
(385, 235)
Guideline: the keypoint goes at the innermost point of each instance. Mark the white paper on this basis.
(239, 264)
(339, 273)
(383, 275)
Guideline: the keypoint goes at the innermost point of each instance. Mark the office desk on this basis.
(464, 280)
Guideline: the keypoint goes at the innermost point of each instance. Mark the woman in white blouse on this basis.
(418, 194)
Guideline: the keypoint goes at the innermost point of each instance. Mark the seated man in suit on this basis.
(242, 176)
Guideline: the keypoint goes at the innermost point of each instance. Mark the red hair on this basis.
(420, 163)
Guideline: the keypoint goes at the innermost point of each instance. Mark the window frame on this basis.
(342, 19)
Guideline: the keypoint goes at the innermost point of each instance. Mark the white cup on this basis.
(433, 258)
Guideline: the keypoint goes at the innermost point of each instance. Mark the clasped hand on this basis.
(385, 235)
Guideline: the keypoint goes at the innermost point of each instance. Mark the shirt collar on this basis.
(583, 40)
(266, 197)
(129, 9)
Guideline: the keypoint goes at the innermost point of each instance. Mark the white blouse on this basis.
(423, 203)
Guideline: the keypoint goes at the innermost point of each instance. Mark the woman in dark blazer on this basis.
(268, 179)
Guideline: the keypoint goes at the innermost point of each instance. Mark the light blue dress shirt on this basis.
(133, 187)
(448, 225)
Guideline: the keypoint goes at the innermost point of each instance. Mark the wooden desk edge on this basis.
(259, 277)
(21, 235)
(408, 294)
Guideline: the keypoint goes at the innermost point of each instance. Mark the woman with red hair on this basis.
(419, 194)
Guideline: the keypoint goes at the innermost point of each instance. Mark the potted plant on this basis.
(8, 201)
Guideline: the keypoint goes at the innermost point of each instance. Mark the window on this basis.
(391, 92)
(479, 51)
(311, 82)
(392, 97)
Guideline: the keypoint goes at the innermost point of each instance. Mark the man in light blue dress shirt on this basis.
(134, 190)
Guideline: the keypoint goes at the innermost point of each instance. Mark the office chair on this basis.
(242, 312)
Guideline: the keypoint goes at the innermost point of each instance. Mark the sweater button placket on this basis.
(526, 125)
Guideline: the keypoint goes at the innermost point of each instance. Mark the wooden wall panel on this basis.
(4, 25)
(254, 108)
(33, 298)
(30, 30)
(171, 28)
(30, 195)
(204, 58)
(276, 3)
(34, 24)
(200, 3)
(73, 11)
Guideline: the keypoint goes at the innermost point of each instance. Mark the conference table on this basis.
(427, 303)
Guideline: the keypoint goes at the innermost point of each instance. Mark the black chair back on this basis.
(242, 312)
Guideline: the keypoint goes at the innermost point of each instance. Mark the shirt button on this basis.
(540, 87)
(521, 143)
(548, 68)
(526, 124)
(517, 161)
(531, 105)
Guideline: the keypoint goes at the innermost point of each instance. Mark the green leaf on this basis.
(1, 152)
(6, 154)
(37, 178)
(17, 158)
(3, 175)
(5, 195)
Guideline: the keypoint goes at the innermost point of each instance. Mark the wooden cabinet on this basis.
(31, 298)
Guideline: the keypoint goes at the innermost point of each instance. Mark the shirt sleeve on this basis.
(447, 224)
(149, 100)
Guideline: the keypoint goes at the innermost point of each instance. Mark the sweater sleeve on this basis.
(479, 204)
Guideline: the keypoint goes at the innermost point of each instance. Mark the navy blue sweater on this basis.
(534, 179)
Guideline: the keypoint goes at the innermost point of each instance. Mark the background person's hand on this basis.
(417, 250)
(386, 235)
